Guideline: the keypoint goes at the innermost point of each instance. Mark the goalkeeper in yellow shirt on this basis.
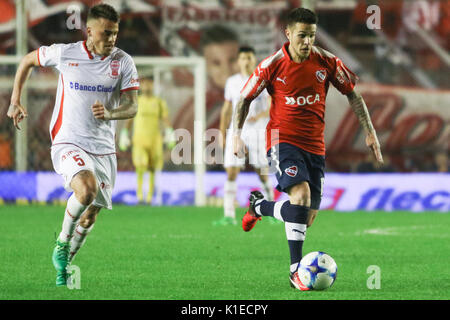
(147, 151)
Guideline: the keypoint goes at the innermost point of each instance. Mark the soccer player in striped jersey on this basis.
(97, 85)
(297, 77)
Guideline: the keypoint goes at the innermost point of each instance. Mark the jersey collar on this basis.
(288, 56)
(89, 53)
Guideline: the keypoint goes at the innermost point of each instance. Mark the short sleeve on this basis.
(342, 77)
(130, 78)
(49, 56)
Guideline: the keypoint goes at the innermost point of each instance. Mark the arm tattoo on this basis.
(128, 106)
(241, 114)
(360, 109)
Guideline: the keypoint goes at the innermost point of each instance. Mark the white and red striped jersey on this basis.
(85, 77)
(298, 92)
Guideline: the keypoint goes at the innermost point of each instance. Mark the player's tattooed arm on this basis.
(242, 108)
(360, 109)
(126, 110)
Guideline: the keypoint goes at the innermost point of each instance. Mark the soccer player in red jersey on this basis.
(297, 77)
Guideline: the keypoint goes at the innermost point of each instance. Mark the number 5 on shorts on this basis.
(78, 160)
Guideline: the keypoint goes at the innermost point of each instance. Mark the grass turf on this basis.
(165, 253)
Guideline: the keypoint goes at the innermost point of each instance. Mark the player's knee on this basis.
(84, 184)
(300, 194)
(232, 174)
(86, 193)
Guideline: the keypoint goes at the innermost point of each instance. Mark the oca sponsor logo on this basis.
(301, 101)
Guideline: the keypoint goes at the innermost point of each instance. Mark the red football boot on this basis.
(296, 283)
(251, 218)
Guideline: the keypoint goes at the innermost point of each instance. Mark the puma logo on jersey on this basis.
(301, 101)
(282, 80)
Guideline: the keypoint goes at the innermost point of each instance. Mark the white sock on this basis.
(268, 190)
(228, 198)
(74, 209)
(78, 239)
(293, 267)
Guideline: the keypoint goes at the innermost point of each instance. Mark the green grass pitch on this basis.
(165, 253)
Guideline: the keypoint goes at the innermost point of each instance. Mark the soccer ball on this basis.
(317, 270)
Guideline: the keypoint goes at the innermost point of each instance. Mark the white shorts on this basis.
(255, 141)
(69, 159)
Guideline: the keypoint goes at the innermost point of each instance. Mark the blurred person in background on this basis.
(219, 46)
(151, 120)
(442, 161)
(253, 134)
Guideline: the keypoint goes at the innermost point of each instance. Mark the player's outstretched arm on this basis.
(16, 111)
(127, 109)
(359, 107)
(242, 108)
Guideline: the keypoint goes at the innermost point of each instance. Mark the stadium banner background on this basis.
(409, 122)
(415, 192)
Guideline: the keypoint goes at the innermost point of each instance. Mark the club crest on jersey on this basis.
(321, 75)
(291, 171)
(114, 66)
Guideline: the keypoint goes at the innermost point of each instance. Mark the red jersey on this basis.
(298, 93)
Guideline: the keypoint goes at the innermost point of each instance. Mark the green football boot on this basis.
(225, 221)
(60, 261)
(61, 278)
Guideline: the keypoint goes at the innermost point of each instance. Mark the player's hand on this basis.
(239, 148)
(17, 113)
(374, 145)
(124, 140)
(170, 138)
(100, 112)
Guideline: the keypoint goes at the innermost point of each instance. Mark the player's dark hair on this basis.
(103, 10)
(217, 34)
(247, 49)
(301, 15)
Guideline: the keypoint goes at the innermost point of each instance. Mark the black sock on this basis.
(295, 217)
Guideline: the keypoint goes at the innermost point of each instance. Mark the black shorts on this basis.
(293, 165)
